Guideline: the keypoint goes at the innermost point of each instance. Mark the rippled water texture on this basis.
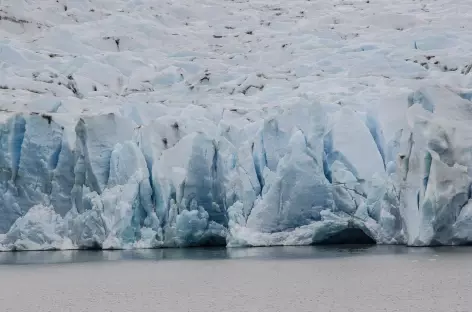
(359, 278)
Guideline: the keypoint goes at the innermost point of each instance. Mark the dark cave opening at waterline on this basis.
(348, 236)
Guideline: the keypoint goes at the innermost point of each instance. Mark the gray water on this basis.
(338, 279)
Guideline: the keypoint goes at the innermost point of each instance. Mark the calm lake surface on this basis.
(311, 279)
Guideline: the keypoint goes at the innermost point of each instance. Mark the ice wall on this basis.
(308, 174)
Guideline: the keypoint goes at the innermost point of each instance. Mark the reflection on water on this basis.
(262, 253)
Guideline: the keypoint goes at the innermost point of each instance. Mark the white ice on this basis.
(143, 124)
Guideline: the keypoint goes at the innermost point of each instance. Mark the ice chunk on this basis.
(97, 137)
(188, 174)
(435, 166)
(297, 194)
(351, 143)
(193, 228)
(40, 229)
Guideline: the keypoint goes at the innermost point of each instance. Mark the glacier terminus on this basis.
(144, 124)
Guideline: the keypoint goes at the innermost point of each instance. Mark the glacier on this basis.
(232, 134)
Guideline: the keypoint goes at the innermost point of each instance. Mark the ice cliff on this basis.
(136, 124)
(308, 174)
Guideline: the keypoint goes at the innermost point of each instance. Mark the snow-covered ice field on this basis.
(139, 123)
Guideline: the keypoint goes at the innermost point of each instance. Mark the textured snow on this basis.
(142, 124)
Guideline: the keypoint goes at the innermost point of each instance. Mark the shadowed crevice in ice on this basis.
(377, 135)
(348, 236)
(18, 135)
(209, 241)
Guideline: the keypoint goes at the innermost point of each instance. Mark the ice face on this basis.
(177, 125)
(294, 194)
(435, 167)
(283, 185)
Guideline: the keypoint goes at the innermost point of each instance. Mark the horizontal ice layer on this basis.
(307, 175)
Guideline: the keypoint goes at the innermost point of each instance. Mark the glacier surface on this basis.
(144, 124)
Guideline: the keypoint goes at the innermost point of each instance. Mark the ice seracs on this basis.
(306, 176)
